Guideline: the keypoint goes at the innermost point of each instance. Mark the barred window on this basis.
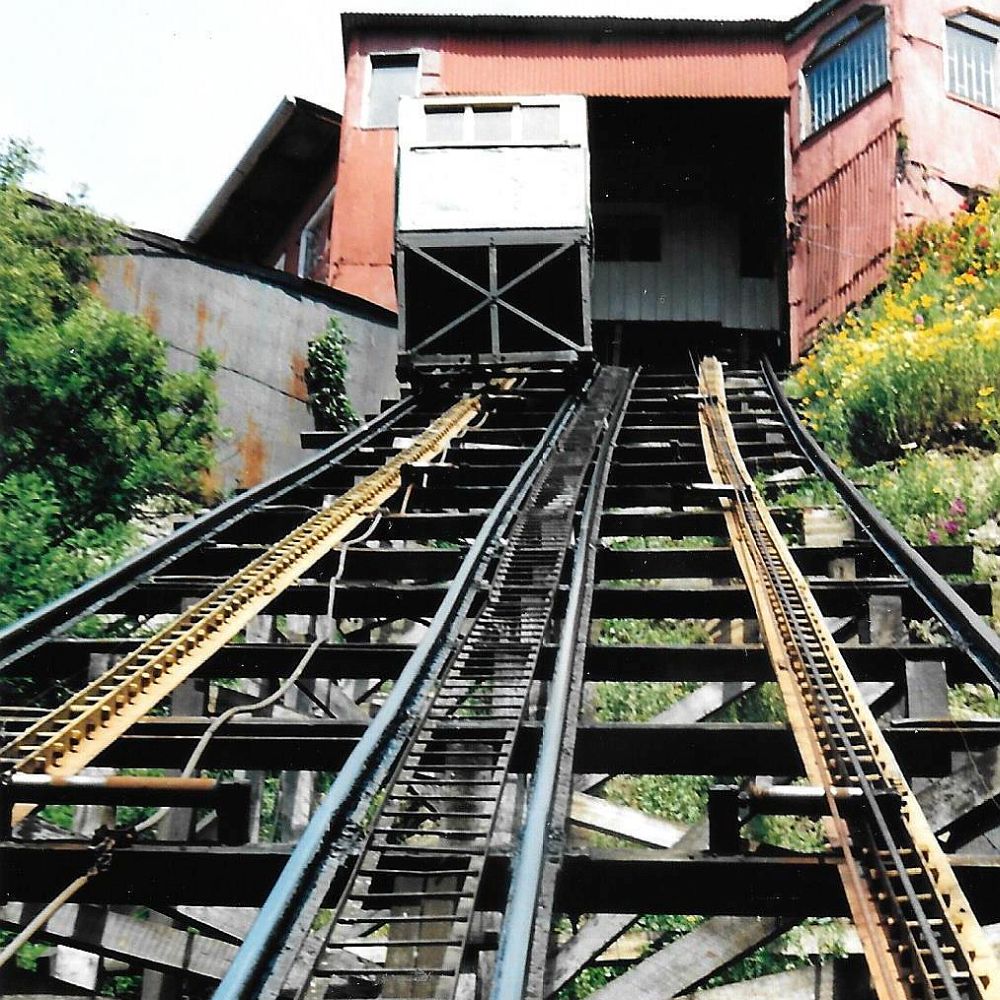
(849, 63)
(971, 53)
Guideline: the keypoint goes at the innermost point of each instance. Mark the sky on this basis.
(149, 104)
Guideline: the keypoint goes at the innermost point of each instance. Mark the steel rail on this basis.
(440, 809)
(69, 737)
(517, 933)
(26, 634)
(270, 949)
(967, 630)
(920, 939)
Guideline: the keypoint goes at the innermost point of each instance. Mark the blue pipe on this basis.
(290, 901)
(517, 933)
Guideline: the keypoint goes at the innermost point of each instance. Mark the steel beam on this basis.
(678, 524)
(734, 749)
(65, 657)
(708, 662)
(721, 561)
(836, 598)
(604, 881)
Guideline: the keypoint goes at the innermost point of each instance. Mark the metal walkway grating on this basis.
(410, 899)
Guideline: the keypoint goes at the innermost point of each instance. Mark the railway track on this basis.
(510, 521)
(919, 933)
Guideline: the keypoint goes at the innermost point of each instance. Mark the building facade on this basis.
(747, 176)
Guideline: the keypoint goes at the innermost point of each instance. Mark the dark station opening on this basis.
(688, 203)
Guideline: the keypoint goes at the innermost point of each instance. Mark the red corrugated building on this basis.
(747, 176)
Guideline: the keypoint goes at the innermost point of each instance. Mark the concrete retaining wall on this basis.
(259, 328)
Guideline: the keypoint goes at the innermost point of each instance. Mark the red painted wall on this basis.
(843, 201)
(949, 142)
(653, 67)
(364, 209)
(905, 153)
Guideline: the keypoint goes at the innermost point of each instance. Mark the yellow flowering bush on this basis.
(920, 361)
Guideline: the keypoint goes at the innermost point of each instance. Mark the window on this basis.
(849, 63)
(444, 124)
(491, 124)
(392, 77)
(314, 241)
(540, 122)
(627, 238)
(971, 53)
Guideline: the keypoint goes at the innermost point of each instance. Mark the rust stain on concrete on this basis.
(151, 313)
(200, 319)
(253, 453)
(297, 379)
(128, 274)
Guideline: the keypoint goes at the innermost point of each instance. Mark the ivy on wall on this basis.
(326, 375)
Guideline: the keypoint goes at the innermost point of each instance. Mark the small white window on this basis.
(392, 76)
(493, 125)
(971, 46)
(849, 62)
(540, 122)
(445, 124)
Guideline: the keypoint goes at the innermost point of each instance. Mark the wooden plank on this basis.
(116, 935)
(689, 960)
(229, 921)
(810, 983)
(972, 786)
(597, 814)
(926, 689)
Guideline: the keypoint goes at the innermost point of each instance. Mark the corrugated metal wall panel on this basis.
(697, 280)
(846, 232)
(709, 67)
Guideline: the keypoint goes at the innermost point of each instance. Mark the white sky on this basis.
(150, 103)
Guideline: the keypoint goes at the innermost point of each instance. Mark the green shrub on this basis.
(93, 422)
(935, 497)
(920, 362)
(326, 375)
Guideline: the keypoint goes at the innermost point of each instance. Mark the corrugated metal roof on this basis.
(695, 19)
(666, 11)
(612, 67)
(292, 153)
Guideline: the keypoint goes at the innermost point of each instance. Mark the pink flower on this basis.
(951, 527)
(933, 536)
(958, 507)
(918, 319)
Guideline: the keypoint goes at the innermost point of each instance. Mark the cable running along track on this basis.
(918, 931)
